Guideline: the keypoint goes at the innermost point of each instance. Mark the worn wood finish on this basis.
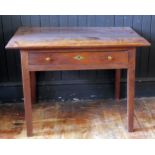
(57, 39)
(83, 119)
(77, 60)
(76, 68)
(27, 91)
(131, 89)
(37, 38)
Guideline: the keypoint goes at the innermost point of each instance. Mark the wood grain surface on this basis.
(77, 60)
(96, 119)
(71, 37)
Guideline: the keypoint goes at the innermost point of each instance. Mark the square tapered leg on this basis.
(26, 79)
(131, 89)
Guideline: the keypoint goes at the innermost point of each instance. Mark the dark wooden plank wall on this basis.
(75, 84)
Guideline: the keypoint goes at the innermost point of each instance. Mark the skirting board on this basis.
(75, 90)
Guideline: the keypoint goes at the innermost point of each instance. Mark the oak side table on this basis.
(76, 48)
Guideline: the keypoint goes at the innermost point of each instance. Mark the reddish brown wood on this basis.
(117, 83)
(131, 89)
(49, 49)
(72, 50)
(26, 91)
(75, 37)
(78, 67)
(77, 60)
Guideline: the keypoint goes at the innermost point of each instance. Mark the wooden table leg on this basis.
(117, 83)
(131, 89)
(33, 87)
(27, 92)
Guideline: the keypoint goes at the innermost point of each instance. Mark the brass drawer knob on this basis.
(109, 57)
(47, 58)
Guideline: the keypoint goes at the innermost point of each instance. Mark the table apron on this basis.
(79, 67)
(55, 61)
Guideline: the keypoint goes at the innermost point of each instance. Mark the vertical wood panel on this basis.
(82, 20)
(152, 50)
(72, 21)
(10, 56)
(119, 21)
(54, 21)
(44, 21)
(16, 22)
(91, 21)
(26, 20)
(63, 21)
(35, 20)
(100, 21)
(128, 20)
(3, 65)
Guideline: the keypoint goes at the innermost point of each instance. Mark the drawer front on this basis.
(78, 60)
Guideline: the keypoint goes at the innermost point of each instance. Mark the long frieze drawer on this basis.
(79, 60)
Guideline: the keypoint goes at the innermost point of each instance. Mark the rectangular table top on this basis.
(75, 37)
